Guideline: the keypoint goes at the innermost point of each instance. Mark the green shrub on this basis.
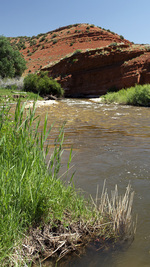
(137, 96)
(78, 51)
(54, 35)
(42, 39)
(121, 37)
(55, 41)
(21, 45)
(11, 61)
(113, 44)
(29, 54)
(42, 84)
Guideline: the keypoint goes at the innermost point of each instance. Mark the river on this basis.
(109, 142)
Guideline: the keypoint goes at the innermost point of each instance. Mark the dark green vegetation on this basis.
(42, 84)
(12, 64)
(33, 197)
(138, 95)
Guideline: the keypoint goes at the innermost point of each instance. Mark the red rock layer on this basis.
(94, 72)
(106, 60)
(45, 48)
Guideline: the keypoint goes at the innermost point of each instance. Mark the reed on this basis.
(119, 208)
(39, 213)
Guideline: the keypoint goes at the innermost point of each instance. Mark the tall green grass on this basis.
(30, 191)
(32, 194)
(138, 95)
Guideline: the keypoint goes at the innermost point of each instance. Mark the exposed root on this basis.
(113, 222)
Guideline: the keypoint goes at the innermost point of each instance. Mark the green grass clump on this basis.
(30, 191)
(33, 196)
(8, 95)
(138, 95)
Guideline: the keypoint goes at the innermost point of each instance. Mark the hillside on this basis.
(43, 49)
(86, 60)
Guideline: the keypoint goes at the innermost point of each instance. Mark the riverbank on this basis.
(138, 95)
(12, 95)
(42, 216)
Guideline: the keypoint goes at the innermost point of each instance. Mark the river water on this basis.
(109, 142)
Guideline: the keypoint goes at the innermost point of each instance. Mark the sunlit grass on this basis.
(9, 95)
(32, 194)
(137, 96)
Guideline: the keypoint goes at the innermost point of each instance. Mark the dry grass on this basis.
(112, 223)
(119, 209)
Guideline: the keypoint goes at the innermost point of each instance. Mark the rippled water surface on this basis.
(109, 142)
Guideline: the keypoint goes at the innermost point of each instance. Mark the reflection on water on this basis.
(112, 143)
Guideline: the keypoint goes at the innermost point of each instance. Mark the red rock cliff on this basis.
(106, 59)
(94, 72)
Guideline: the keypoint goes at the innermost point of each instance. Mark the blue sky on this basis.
(129, 18)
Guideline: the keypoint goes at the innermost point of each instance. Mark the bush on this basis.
(33, 42)
(113, 44)
(42, 84)
(122, 38)
(54, 35)
(78, 51)
(30, 83)
(42, 39)
(29, 54)
(55, 41)
(137, 96)
(12, 64)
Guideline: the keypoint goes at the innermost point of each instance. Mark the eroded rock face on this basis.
(106, 59)
(94, 72)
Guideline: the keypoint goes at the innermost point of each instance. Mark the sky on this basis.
(129, 18)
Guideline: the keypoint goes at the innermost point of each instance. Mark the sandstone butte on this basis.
(86, 60)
